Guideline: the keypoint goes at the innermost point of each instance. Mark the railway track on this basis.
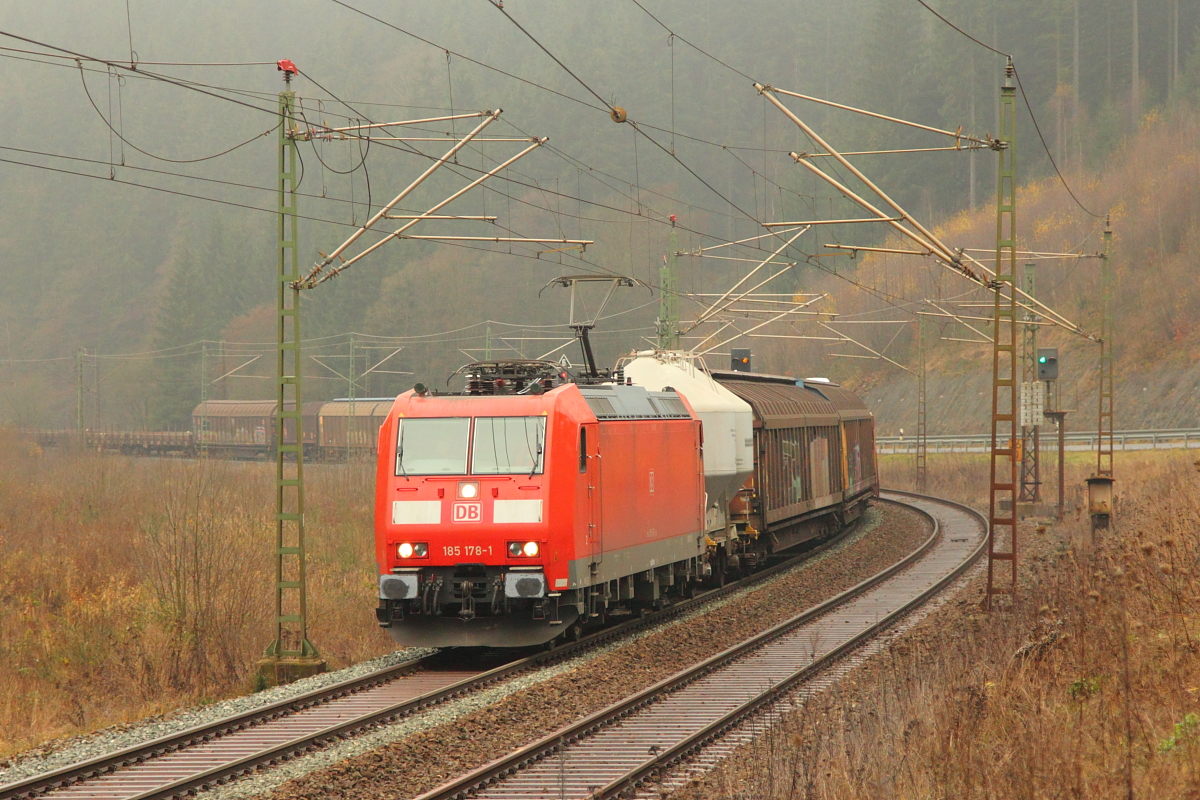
(208, 755)
(637, 741)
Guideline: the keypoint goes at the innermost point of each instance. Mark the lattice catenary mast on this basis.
(922, 422)
(1032, 403)
(291, 654)
(668, 304)
(1002, 502)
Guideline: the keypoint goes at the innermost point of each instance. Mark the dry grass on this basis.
(964, 476)
(1089, 687)
(133, 586)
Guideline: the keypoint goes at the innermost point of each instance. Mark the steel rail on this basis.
(102, 764)
(478, 782)
(697, 741)
(64, 778)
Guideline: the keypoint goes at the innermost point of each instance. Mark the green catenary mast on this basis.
(202, 433)
(668, 304)
(290, 655)
(350, 409)
(1104, 446)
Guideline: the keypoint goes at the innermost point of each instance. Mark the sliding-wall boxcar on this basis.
(814, 458)
(339, 431)
(245, 428)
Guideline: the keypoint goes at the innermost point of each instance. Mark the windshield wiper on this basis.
(537, 458)
(400, 453)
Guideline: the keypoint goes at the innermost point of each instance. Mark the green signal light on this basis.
(1042, 360)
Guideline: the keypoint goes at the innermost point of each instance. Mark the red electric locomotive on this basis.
(499, 523)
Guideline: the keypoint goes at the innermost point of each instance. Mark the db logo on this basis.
(467, 512)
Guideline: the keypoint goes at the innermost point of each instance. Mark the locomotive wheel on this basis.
(575, 632)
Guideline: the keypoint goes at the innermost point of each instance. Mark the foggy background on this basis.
(121, 247)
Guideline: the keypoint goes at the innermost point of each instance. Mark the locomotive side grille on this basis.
(601, 406)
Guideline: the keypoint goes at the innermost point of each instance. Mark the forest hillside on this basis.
(140, 165)
(1151, 183)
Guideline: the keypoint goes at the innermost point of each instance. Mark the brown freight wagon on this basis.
(814, 457)
(246, 428)
(341, 435)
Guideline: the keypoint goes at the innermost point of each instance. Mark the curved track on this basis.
(614, 751)
(208, 755)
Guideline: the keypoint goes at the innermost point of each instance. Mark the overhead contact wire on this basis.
(526, 81)
(152, 75)
(114, 132)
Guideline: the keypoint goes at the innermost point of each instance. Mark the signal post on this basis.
(1047, 375)
(1100, 485)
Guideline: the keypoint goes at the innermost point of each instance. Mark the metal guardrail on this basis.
(1146, 439)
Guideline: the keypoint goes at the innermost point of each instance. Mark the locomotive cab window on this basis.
(432, 446)
(508, 445)
(582, 449)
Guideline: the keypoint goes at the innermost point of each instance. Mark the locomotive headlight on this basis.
(468, 490)
(413, 550)
(523, 549)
